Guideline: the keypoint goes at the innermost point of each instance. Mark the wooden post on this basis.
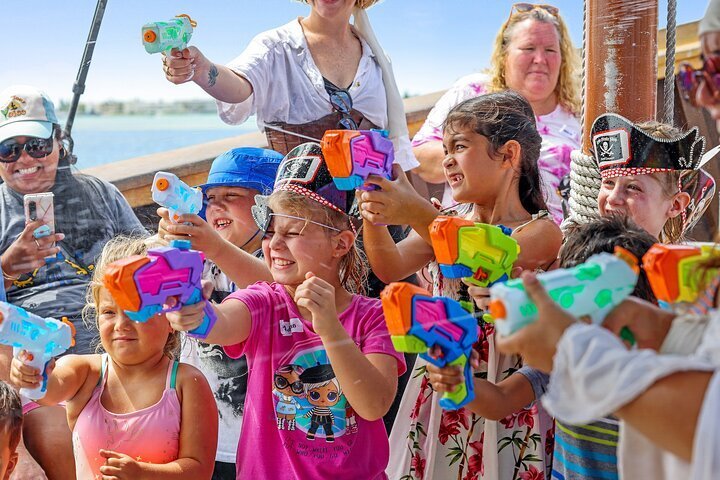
(620, 60)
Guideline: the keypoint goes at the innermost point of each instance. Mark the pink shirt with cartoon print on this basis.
(281, 342)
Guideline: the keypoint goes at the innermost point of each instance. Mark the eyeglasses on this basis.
(529, 7)
(35, 147)
(282, 383)
(691, 79)
(341, 102)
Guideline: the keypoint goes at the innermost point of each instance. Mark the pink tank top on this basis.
(149, 435)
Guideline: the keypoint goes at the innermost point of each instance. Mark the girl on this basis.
(492, 147)
(308, 337)
(134, 411)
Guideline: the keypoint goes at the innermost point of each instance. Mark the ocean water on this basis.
(105, 139)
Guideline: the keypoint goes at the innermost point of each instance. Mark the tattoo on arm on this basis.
(212, 76)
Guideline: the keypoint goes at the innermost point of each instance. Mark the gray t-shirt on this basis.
(89, 211)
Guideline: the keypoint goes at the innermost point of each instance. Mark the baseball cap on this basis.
(26, 111)
(247, 167)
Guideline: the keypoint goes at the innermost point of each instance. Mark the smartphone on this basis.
(39, 206)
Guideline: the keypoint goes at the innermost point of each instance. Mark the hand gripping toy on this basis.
(41, 338)
(142, 285)
(164, 36)
(352, 155)
(418, 321)
(175, 195)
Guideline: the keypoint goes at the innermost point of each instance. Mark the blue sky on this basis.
(431, 42)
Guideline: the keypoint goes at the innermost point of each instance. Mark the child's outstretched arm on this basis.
(240, 267)
(65, 378)
(232, 326)
(369, 382)
(198, 434)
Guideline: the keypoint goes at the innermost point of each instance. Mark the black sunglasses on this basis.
(341, 102)
(11, 149)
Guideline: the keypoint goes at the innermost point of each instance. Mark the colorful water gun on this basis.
(41, 338)
(175, 195)
(672, 271)
(142, 285)
(164, 36)
(417, 321)
(589, 289)
(477, 252)
(353, 155)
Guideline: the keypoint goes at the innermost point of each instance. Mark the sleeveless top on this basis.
(150, 435)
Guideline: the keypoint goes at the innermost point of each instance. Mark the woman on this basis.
(533, 55)
(313, 74)
(49, 275)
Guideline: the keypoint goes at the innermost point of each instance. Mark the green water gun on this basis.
(164, 36)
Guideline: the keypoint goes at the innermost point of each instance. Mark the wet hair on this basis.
(501, 117)
(116, 249)
(672, 182)
(568, 85)
(11, 416)
(603, 235)
(353, 266)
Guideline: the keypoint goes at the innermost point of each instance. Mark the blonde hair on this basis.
(672, 182)
(353, 267)
(364, 4)
(116, 249)
(568, 84)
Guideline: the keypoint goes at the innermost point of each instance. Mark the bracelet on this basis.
(10, 277)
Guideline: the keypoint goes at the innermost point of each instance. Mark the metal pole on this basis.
(79, 85)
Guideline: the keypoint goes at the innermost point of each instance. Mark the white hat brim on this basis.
(26, 128)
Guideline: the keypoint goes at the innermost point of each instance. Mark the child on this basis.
(649, 173)
(11, 424)
(581, 452)
(313, 346)
(134, 411)
(492, 149)
(235, 178)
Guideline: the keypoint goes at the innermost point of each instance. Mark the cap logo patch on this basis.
(14, 108)
(302, 170)
(612, 147)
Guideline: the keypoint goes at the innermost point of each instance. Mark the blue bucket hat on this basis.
(247, 167)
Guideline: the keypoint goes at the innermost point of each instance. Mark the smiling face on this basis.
(228, 212)
(532, 64)
(31, 175)
(639, 197)
(126, 341)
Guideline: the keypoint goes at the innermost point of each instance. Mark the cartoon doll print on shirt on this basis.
(287, 388)
(322, 391)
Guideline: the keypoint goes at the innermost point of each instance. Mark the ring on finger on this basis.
(37, 243)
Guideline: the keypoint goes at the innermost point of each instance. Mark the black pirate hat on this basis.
(622, 149)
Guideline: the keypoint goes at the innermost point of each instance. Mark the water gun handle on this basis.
(209, 319)
(36, 360)
(464, 393)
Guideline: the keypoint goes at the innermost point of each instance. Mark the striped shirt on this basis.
(586, 452)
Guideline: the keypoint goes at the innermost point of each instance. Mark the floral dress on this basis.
(427, 442)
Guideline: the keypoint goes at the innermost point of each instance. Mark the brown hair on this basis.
(568, 85)
(353, 267)
(501, 117)
(672, 182)
(119, 248)
(11, 416)
(364, 4)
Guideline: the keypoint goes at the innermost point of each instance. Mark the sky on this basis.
(431, 42)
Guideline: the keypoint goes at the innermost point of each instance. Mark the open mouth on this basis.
(222, 223)
(27, 171)
(281, 263)
(455, 178)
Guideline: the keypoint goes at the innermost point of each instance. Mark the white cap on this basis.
(26, 112)
(711, 21)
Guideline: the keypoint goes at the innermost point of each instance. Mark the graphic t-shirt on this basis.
(297, 423)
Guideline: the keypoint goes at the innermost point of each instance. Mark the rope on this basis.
(669, 82)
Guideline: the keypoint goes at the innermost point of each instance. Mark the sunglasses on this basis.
(691, 79)
(341, 102)
(281, 383)
(11, 149)
(529, 7)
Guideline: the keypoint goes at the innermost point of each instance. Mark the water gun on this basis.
(142, 285)
(418, 321)
(41, 338)
(589, 289)
(352, 155)
(479, 253)
(164, 36)
(175, 195)
(672, 271)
